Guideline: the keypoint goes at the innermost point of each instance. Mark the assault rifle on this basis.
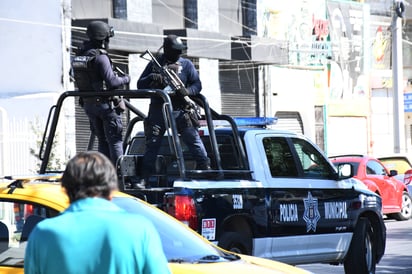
(172, 81)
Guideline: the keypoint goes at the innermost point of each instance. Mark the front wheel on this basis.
(406, 210)
(361, 257)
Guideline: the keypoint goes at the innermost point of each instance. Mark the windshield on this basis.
(398, 164)
(179, 244)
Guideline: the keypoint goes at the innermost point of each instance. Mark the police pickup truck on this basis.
(271, 193)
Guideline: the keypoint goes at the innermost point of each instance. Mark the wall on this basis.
(230, 14)
(139, 11)
(91, 8)
(208, 15)
(35, 52)
(293, 90)
(31, 47)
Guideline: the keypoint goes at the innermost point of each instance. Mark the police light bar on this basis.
(245, 121)
(255, 121)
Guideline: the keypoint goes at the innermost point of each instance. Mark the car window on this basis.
(178, 243)
(279, 157)
(375, 168)
(227, 150)
(17, 219)
(313, 163)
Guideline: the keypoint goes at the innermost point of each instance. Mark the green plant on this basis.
(54, 162)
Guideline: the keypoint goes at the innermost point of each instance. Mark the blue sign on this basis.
(407, 102)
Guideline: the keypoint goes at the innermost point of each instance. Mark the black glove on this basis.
(118, 104)
(182, 91)
(156, 77)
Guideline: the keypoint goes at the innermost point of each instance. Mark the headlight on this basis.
(371, 201)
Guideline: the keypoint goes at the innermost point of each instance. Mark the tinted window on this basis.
(227, 151)
(313, 163)
(226, 147)
(375, 168)
(279, 157)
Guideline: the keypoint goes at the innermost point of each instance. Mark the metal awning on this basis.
(204, 44)
(129, 36)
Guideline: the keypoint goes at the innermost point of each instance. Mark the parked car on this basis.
(396, 199)
(402, 164)
(23, 204)
(398, 162)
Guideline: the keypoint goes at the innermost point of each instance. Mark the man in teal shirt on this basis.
(94, 235)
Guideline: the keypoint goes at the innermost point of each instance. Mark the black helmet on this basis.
(98, 30)
(173, 48)
(173, 42)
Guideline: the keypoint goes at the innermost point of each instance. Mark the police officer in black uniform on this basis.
(105, 118)
(154, 124)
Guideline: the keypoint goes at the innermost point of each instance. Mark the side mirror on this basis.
(407, 179)
(393, 172)
(346, 171)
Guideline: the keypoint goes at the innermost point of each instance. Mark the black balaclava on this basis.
(173, 47)
(172, 55)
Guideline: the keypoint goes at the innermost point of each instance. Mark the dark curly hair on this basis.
(89, 174)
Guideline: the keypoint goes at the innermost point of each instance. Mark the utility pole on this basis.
(397, 78)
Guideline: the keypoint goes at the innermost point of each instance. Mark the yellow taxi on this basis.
(24, 201)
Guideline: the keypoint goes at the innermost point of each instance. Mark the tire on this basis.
(406, 211)
(236, 242)
(361, 257)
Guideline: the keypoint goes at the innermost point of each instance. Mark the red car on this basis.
(396, 200)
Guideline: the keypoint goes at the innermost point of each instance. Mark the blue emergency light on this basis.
(244, 122)
(255, 121)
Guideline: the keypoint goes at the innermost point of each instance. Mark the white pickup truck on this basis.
(270, 193)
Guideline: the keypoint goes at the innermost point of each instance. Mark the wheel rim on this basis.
(406, 210)
(368, 253)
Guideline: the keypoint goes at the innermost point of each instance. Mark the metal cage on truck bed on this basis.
(173, 161)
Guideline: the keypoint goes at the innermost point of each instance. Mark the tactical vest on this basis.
(85, 76)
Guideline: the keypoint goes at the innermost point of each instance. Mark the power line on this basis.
(218, 42)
